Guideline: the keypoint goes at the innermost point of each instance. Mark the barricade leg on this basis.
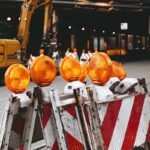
(88, 117)
(82, 111)
(94, 122)
(13, 108)
(3, 123)
(61, 134)
(29, 125)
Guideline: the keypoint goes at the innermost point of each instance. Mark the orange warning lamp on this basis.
(17, 78)
(74, 50)
(70, 68)
(41, 51)
(98, 69)
(96, 50)
(109, 62)
(84, 71)
(43, 71)
(118, 70)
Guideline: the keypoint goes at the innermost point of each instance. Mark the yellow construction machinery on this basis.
(14, 51)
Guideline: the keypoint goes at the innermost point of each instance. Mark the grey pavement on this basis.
(137, 69)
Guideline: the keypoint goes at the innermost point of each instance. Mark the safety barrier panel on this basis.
(124, 123)
(69, 121)
(19, 124)
(76, 122)
(44, 112)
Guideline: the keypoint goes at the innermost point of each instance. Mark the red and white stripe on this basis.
(48, 127)
(48, 130)
(72, 130)
(125, 123)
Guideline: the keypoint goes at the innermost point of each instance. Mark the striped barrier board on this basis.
(19, 124)
(71, 128)
(46, 122)
(49, 140)
(75, 123)
(125, 123)
(48, 126)
(68, 136)
(68, 123)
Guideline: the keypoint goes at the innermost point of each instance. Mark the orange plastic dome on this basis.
(96, 49)
(70, 69)
(118, 70)
(17, 78)
(84, 71)
(41, 51)
(74, 50)
(109, 62)
(43, 71)
(98, 69)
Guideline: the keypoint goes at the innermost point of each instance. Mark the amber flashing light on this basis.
(109, 62)
(17, 78)
(99, 69)
(118, 70)
(43, 70)
(70, 69)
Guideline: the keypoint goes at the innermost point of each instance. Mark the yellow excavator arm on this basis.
(27, 9)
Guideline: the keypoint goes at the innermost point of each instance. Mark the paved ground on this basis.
(140, 69)
(137, 69)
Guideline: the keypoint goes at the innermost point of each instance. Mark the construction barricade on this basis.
(13, 123)
(59, 118)
(73, 122)
(124, 120)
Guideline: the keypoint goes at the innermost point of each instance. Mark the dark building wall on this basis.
(138, 21)
(137, 24)
(110, 22)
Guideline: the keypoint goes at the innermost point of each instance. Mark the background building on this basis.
(86, 25)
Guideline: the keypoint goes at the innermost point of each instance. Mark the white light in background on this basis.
(103, 31)
(8, 18)
(124, 26)
(69, 27)
(113, 33)
(83, 29)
